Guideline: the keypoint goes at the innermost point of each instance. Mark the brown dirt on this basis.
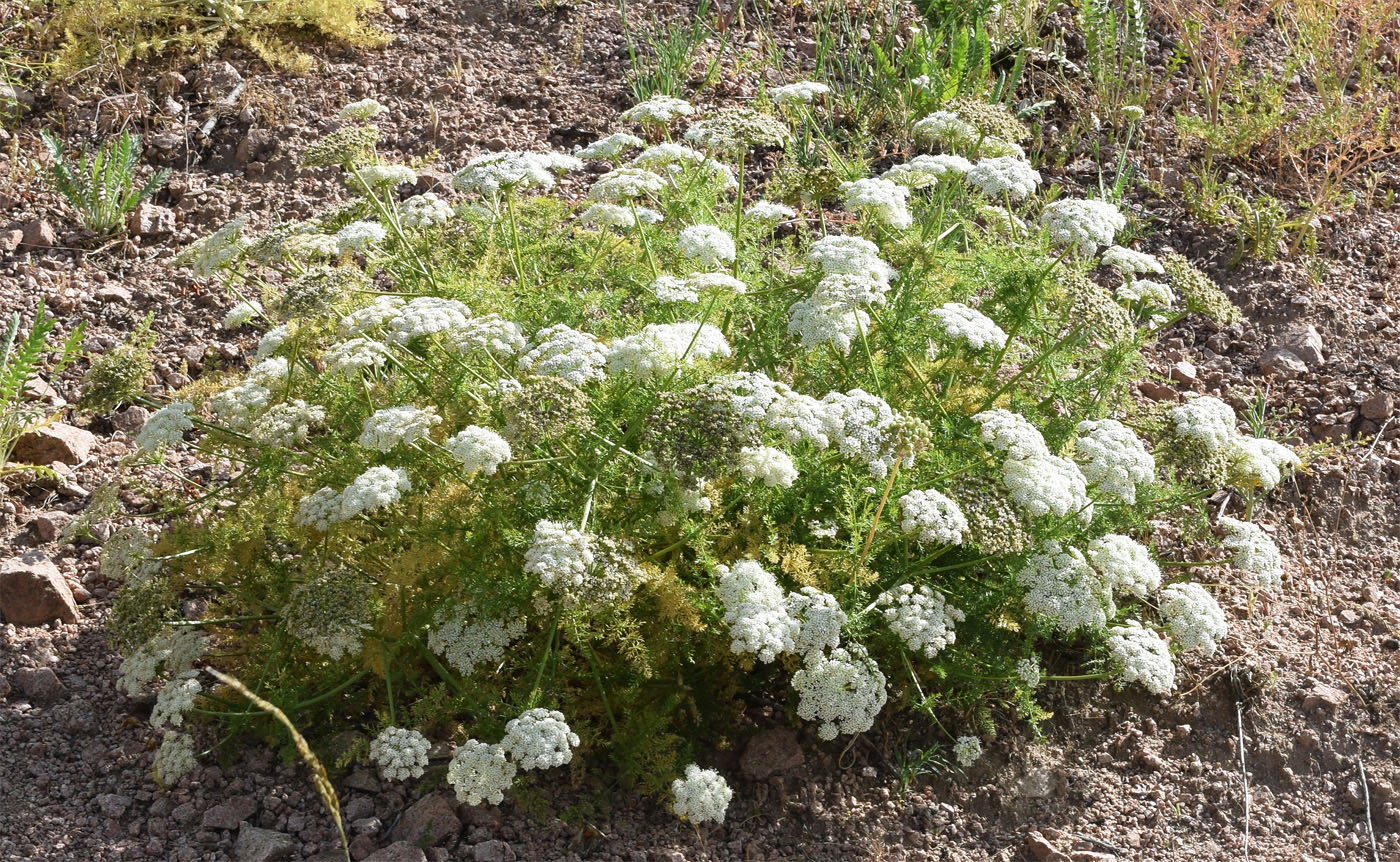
(1310, 677)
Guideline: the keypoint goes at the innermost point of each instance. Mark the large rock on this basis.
(1279, 361)
(1306, 343)
(494, 850)
(38, 234)
(33, 591)
(150, 220)
(47, 525)
(230, 813)
(40, 685)
(55, 442)
(771, 752)
(1378, 407)
(399, 851)
(262, 845)
(428, 821)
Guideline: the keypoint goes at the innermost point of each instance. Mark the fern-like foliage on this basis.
(19, 361)
(100, 183)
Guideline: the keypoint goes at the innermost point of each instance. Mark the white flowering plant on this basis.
(584, 485)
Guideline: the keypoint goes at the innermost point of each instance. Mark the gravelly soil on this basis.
(1306, 685)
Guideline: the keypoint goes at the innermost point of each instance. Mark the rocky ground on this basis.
(1303, 699)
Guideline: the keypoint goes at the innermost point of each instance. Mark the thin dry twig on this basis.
(1244, 774)
(1366, 794)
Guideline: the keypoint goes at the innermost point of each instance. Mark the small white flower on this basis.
(968, 750)
(479, 449)
(658, 110)
(1205, 420)
(384, 176)
(625, 184)
(400, 753)
(1258, 462)
(561, 351)
(921, 617)
(1255, 553)
(1062, 586)
(353, 356)
(773, 467)
(1193, 617)
(424, 211)
(843, 691)
(165, 427)
(1126, 566)
(480, 773)
(1028, 671)
(935, 517)
(611, 147)
(1114, 460)
(1140, 655)
(959, 322)
(394, 426)
(242, 313)
(702, 796)
(174, 758)
(1131, 262)
(539, 739)
(802, 91)
(1004, 175)
(888, 201)
(662, 347)
(360, 235)
(923, 171)
(768, 212)
(1083, 223)
(175, 699)
(468, 642)
(706, 244)
(365, 109)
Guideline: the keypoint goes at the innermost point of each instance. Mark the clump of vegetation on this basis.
(589, 476)
(116, 32)
(20, 361)
(100, 184)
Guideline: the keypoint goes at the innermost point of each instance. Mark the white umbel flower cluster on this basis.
(1083, 223)
(702, 796)
(468, 642)
(360, 236)
(512, 171)
(174, 758)
(936, 518)
(706, 244)
(1131, 262)
(425, 211)
(1205, 420)
(330, 613)
(962, 323)
(658, 110)
(1146, 293)
(663, 347)
(1258, 462)
(539, 739)
(1028, 671)
(849, 255)
(865, 426)
(175, 651)
(968, 750)
(666, 155)
(480, 773)
(492, 333)
(1039, 483)
(364, 109)
(381, 176)
(424, 316)
(820, 619)
(843, 691)
(625, 184)
(393, 426)
(175, 699)
(1061, 585)
(1126, 566)
(1193, 617)
(242, 313)
(288, 423)
(561, 351)
(354, 356)
(240, 407)
(1113, 459)
(888, 201)
(559, 555)
(921, 617)
(1004, 176)
(401, 753)
(1254, 552)
(948, 130)
(816, 322)
(165, 427)
(768, 212)
(478, 449)
(373, 489)
(615, 215)
(773, 467)
(611, 147)
(800, 92)
(1139, 655)
(756, 611)
(364, 321)
(923, 171)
